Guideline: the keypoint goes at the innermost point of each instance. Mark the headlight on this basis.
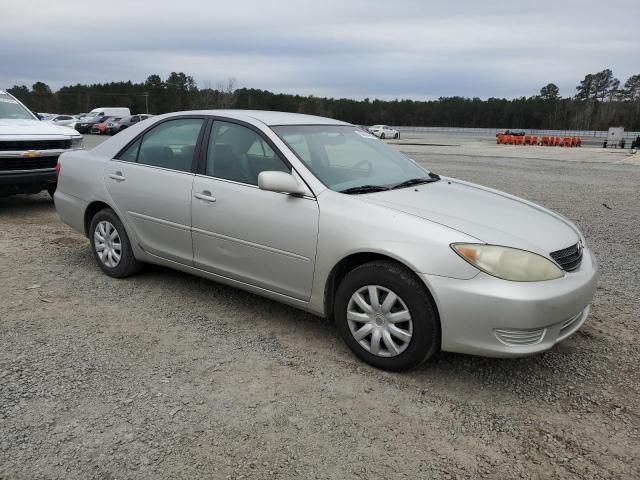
(76, 142)
(508, 263)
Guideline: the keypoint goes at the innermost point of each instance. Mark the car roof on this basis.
(270, 118)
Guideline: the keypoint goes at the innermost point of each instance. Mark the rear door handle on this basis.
(118, 177)
(205, 196)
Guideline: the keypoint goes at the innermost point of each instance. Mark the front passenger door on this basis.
(265, 239)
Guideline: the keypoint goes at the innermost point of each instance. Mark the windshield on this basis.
(345, 157)
(10, 108)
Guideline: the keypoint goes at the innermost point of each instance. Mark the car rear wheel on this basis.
(386, 316)
(110, 245)
(397, 135)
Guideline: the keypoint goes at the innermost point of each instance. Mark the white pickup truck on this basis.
(29, 149)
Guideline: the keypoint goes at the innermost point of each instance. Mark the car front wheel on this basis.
(386, 316)
(110, 245)
(382, 136)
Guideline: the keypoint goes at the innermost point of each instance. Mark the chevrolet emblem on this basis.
(31, 154)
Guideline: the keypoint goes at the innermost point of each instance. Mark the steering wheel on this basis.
(368, 164)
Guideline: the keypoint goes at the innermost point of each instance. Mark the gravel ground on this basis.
(165, 375)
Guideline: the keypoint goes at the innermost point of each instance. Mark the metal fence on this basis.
(492, 131)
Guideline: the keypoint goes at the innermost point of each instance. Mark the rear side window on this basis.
(131, 153)
(170, 145)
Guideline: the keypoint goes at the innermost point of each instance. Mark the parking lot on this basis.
(164, 375)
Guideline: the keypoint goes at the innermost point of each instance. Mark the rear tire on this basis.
(396, 136)
(111, 246)
(413, 341)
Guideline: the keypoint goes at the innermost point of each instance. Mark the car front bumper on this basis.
(497, 318)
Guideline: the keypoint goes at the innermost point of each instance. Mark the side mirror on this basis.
(281, 182)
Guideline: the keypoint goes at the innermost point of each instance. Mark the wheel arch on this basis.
(93, 208)
(354, 260)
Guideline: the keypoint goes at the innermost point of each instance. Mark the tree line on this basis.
(600, 101)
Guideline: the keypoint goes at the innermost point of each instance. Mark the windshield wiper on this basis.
(417, 181)
(364, 189)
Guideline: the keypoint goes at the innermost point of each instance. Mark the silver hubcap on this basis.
(380, 321)
(107, 244)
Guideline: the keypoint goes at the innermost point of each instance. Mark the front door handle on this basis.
(205, 196)
(118, 177)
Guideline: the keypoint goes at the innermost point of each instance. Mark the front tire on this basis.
(382, 136)
(386, 316)
(110, 245)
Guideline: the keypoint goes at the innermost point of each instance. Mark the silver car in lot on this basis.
(321, 215)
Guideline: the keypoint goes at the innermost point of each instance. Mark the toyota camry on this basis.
(323, 216)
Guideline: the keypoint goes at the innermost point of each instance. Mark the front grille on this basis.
(27, 163)
(21, 145)
(569, 258)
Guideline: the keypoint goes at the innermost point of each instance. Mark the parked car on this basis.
(384, 131)
(110, 112)
(104, 127)
(63, 120)
(98, 115)
(126, 122)
(29, 148)
(318, 214)
(515, 132)
(86, 124)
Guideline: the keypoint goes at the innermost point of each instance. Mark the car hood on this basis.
(9, 126)
(489, 215)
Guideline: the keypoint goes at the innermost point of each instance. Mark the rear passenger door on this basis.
(150, 183)
(261, 238)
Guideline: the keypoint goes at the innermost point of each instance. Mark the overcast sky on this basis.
(349, 48)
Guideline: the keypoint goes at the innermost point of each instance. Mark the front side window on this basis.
(345, 157)
(238, 153)
(170, 145)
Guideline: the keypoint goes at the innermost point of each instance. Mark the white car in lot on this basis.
(63, 120)
(320, 215)
(384, 131)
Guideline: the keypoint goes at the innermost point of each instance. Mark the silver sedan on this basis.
(323, 216)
